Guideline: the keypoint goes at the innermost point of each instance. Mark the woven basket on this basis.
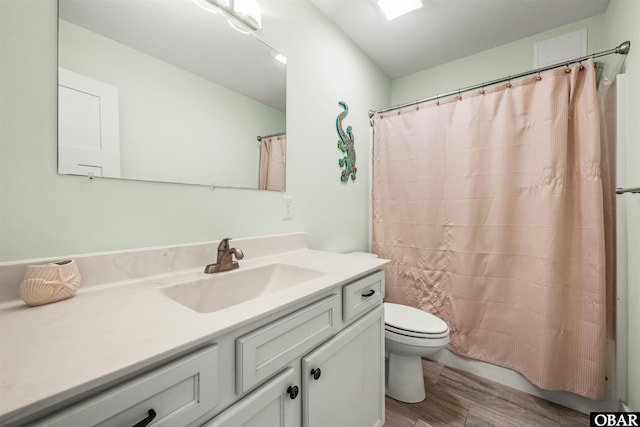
(46, 283)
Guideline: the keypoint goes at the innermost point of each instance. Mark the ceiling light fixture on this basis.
(394, 8)
(249, 12)
(222, 3)
(279, 57)
(239, 13)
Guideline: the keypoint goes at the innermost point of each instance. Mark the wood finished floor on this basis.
(456, 398)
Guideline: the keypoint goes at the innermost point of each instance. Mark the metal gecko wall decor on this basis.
(346, 144)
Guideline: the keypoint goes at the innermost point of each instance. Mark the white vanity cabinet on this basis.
(340, 383)
(319, 363)
(337, 378)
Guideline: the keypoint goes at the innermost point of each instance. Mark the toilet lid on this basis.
(412, 320)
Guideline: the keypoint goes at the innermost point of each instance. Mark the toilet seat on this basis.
(414, 334)
(412, 322)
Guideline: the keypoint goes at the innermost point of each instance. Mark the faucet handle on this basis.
(224, 244)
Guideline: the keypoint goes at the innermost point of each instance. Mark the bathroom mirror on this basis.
(166, 91)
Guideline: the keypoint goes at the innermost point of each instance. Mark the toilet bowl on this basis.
(410, 335)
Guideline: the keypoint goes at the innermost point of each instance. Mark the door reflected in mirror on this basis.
(166, 91)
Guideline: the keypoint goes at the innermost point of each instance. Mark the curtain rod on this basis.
(622, 49)
(269, 136)
(628, 190)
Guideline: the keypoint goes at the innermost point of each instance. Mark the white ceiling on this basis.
(181, 33)
(445, 30)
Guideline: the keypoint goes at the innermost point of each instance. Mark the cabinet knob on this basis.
(147, 420)
(369, 293)
(315, 373)
(293, 391)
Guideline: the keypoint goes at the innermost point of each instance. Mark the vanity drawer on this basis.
(179, 393)
(265, 351)
(362, 295)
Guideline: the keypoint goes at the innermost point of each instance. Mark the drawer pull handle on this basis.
(369, 293)
(293, 392)
(147, 421)
(315, 373)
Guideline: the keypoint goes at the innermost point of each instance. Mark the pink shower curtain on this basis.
(489, 205)
(272, 172)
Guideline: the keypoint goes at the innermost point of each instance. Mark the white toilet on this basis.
(410, 335)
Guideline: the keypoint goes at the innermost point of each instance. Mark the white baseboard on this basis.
(624, 407)
(514, 380)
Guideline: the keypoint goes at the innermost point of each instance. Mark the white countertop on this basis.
(52, 352)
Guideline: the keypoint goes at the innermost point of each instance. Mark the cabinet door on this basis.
(348, 391)
(272, 404)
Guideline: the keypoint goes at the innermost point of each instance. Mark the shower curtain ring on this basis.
(538, 77)
(581, 66)
(437, 99)
(459, 97)
(567, 70)
(509, 82)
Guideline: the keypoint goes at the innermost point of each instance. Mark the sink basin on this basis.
(222, 290)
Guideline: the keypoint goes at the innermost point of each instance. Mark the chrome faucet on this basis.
(225, 260)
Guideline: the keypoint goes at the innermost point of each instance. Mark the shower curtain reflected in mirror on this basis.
(272, 172)
(491, 210)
